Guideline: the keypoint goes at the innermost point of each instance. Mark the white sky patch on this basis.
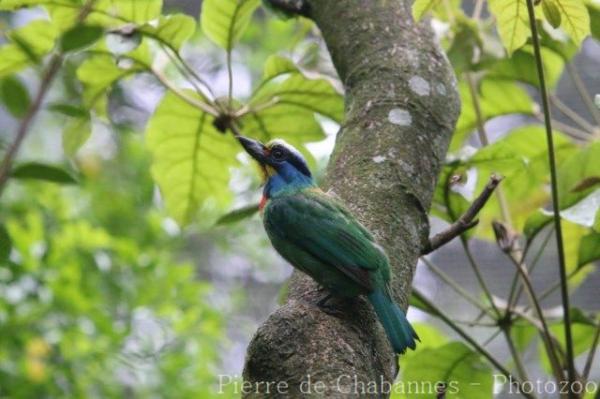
(419, 86)
(379, 159)
(399, 116)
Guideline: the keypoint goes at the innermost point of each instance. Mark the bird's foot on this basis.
(323, 301)
(328, 307)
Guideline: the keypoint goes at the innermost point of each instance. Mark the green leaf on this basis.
(589, 249)
(237, 215)
(27, 44)
(522, 67)
(552, 13)
(315, 95)
(173, 30)
(492, 96)
(15, 96)
(466, 43)
(443, 10)
(5, 244)
(587, 183)
(463, 371)
(276, 66)
(575, 19)
(583, 337)
(11, 5)
(107, 13)
(293, 124)
(224, 21)
(594, 11)
(512, 21)
(523, 335)
(573, 238)
(79, 37)
(523, 162)
(596, 225)
(40, 171)
(535, 223)
(98, 73)
(191, 159)
(68, 110)
(75, 134)
(421, 7)
(416, 302)
(581, 165)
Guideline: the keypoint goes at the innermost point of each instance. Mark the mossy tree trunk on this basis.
(401, 107)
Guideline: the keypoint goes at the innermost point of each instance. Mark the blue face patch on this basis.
(291, 169)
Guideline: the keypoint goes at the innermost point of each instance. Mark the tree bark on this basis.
(401, 107)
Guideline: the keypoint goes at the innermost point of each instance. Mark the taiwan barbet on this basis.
(319, 236)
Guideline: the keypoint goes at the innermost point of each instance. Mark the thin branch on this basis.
(477, 10)
(569, 130)
(193, 102)
(571, 114)
(470, 340)
(482, 134)
(479, 276)
(514, 298)
(185, 69)
(590, 358)
(230, 79)
(546, 335)
(555, 200)
(46, 81)
(466, 221)
(248, 109)
(580, 86)
(455, 286)
(470, 257)
(548, 291)
(515, 354)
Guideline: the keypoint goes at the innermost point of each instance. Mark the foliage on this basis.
(79, 273)
(93, 304)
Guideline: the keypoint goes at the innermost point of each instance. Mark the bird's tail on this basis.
(398, 329)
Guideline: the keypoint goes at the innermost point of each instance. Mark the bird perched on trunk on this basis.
(319, 236)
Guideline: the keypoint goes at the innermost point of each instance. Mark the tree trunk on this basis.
(401, 107)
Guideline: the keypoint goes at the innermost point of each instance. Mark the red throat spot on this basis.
(263, 202)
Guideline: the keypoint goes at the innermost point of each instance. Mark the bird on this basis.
(319, 236)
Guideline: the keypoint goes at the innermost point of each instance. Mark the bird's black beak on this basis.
(254, 148)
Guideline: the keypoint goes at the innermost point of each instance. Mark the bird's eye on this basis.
(278, 154)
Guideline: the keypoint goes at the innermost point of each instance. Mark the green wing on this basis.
(315, 223)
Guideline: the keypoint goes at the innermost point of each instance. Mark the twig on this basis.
(193, 102)
(574, 116)
(546, 336)
(580, 87)
(482, 134)
(46, 81)
(515, 354)
(590, 358)
(569, 130)
(555, 201)
(184, 70)
(479, 276)
(466, 221)
(455, 286)
(515, 295)
(479, 348)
